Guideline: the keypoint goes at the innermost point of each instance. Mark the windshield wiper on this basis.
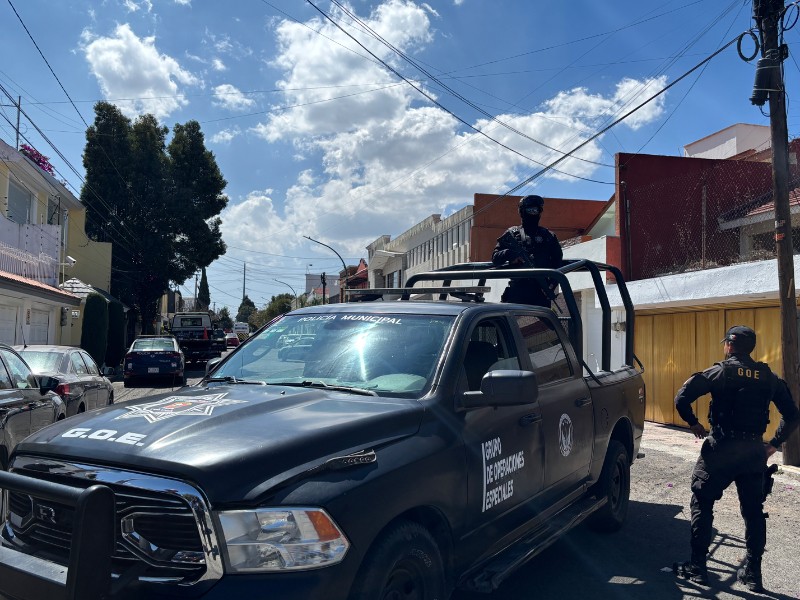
(326, 386)
(232, 379)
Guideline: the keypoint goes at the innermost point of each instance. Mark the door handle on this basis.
(529, 419)
(583, 402)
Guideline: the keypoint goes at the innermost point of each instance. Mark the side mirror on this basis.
(504, 388)
(211, 364)
(109, 371)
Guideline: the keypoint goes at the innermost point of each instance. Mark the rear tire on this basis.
(404, 563)
(615, 486)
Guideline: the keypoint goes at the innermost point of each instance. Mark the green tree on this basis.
(158, 204)
(225, 320)
(278, 305)
(94, 332)
(246, 308)
(203, 294)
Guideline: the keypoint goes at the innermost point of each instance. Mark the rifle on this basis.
(510, 240)
(769, 482)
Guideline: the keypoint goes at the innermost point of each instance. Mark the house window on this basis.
(19, 203)
(393, 279)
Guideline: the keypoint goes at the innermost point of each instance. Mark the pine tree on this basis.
(203, 294)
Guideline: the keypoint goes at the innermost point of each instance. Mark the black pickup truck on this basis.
(362, 450)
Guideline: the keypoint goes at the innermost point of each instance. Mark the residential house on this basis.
(40, 241)
(697, 249)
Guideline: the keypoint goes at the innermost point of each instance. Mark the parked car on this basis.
(72, 374)
(25, 407)
(231, 340)
(154, 357)
(218, 341)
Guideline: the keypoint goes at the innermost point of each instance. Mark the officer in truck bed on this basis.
(539, 243)
(741, 391)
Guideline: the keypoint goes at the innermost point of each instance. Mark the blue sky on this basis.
(317, 137)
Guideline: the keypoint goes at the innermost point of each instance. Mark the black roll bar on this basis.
(484, 270)
(88, 573)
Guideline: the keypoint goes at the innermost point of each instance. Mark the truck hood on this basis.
(233, 441)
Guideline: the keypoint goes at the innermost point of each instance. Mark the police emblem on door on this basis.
(565, 434)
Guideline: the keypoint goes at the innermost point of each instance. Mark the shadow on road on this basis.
(632, 563)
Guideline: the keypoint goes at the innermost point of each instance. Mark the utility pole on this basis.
(769, 77)
(324, 282)
(195, 291)
(244, 282)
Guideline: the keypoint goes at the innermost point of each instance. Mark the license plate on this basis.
(152, 369)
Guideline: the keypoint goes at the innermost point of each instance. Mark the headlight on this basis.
(281, 539)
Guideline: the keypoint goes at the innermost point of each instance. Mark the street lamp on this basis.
(343, 283)
(291, 288)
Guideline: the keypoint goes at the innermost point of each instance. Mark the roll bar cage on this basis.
(486, 271)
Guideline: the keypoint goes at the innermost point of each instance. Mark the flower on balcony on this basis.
(37, 157)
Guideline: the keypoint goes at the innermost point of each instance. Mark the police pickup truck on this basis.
(362, 450)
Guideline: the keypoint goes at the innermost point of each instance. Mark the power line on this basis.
(25, 27)
(439, 104)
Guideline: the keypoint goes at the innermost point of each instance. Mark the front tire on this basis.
(405, 563)
(615, 486)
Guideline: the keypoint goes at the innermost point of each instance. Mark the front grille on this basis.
(158, 528)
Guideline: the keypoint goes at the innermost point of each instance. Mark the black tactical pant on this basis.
(721, 463)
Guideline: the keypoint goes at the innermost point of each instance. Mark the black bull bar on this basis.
(88, 573)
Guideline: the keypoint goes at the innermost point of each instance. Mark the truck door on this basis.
(503, 444)
(566, 404)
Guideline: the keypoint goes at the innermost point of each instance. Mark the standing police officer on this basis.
(741, 391)
(539, 243)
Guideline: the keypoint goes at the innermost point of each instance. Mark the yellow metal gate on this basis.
(673, 345)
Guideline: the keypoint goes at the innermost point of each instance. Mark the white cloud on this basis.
(389, 158)
(225, 136)
(184, 2)
(129, 67)
(230, 97)
(578, 103)
(218, 65)
(133, 6)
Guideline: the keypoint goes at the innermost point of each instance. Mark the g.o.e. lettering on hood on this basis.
(106, 435)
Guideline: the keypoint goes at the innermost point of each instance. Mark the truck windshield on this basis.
(390, 354)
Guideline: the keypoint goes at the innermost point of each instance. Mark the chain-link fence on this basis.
(691, 214)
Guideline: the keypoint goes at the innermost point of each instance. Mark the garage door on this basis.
(672, 346)
(8, 324)
(40, 325)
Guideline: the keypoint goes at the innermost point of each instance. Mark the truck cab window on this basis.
(489, 349)
(545, 349)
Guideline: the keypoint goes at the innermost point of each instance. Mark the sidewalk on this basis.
(681, 442)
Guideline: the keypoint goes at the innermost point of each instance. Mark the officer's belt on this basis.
(729, 434)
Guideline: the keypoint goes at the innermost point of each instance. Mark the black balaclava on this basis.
(528, 212)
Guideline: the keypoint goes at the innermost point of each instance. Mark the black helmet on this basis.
(530, 202)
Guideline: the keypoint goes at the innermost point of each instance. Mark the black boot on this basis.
(691, 570)
(750, 574)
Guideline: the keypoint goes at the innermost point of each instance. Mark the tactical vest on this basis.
(742, 406)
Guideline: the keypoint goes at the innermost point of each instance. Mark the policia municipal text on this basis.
(741, 391)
